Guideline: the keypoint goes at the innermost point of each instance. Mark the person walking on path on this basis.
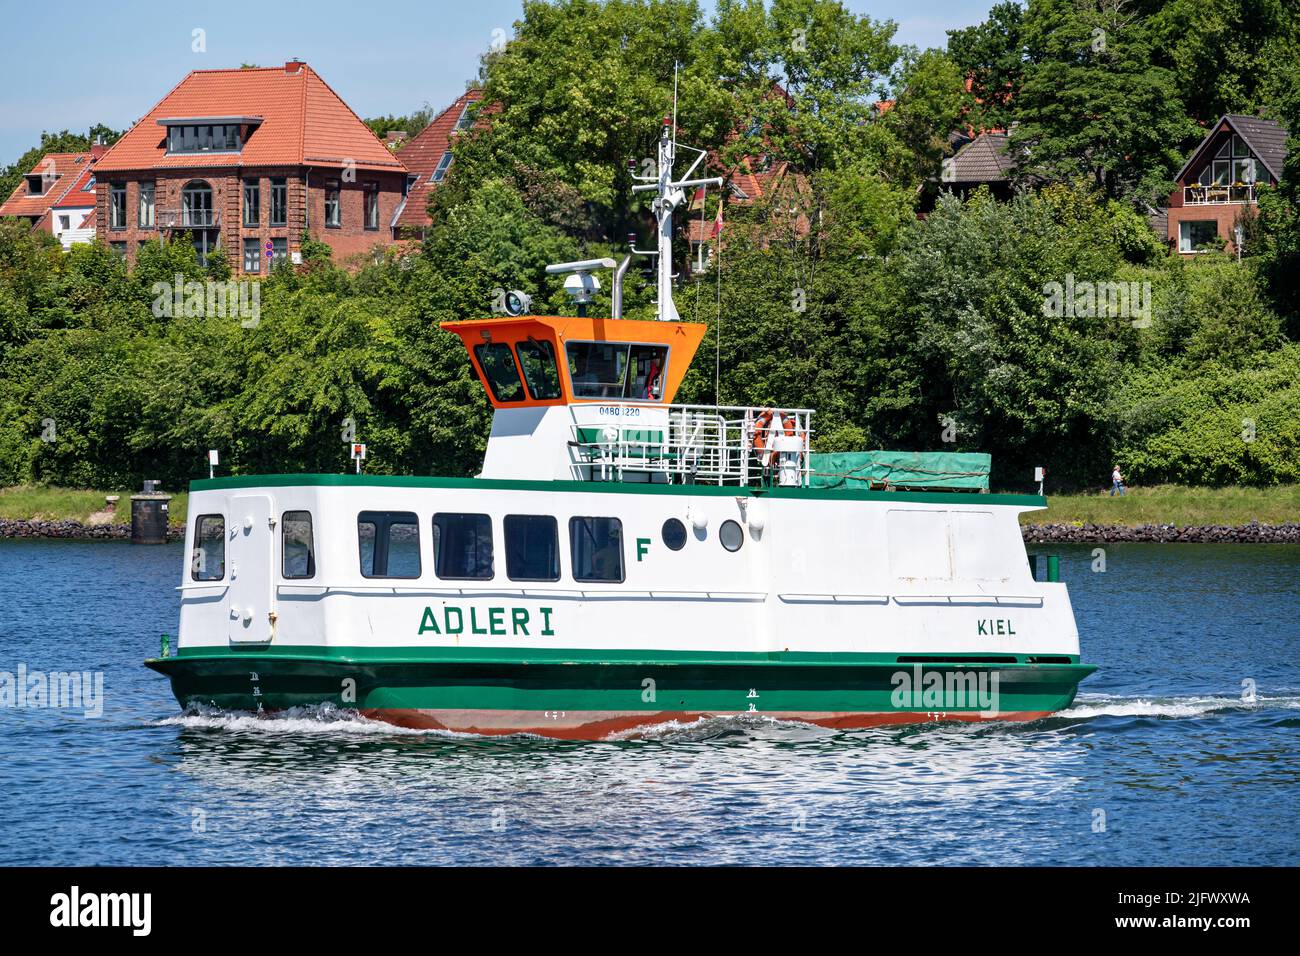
(1116, 482)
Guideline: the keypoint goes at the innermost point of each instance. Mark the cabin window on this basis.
(498, 364)
(298, 554)
(390, 544)
(541, 374)
(532, 548)
(596, 547)
(208, 560)
(617, 370)
(674, 534)
(462, 547)
(731, 536)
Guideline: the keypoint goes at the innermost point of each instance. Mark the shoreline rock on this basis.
(1252, 533)
(74, 530)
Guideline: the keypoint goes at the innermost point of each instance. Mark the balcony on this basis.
(189, 219)
(1218, 194)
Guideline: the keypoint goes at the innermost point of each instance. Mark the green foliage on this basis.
(992, 55)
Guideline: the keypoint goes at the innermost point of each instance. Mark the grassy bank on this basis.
(1174, 504)
(36, 502)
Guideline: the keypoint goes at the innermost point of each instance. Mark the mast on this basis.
(669, 195)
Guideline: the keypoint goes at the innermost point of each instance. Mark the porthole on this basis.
(731, 536)
(674, 534)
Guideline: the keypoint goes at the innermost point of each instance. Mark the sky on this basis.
(88, 63)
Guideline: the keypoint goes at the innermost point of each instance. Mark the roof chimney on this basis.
(97, 150)
(293, 66)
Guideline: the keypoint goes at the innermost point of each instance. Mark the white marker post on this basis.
(358, 454)
(213, 460)
(1039, 474)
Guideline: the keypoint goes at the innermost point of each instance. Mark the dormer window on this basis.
(217, 134)
(466, 120)
(38, 183)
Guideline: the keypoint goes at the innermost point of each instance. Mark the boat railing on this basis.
(693, 444)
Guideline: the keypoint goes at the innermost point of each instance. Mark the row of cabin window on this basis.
(389, 547)
(615, 370)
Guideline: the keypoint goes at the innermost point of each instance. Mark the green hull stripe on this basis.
(609, 487)
(404, 679)
(528, 655)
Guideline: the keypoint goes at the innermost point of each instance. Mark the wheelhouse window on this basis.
(372, 206)
(208, 559)
(541, 374)
(117, 206)
(252, 255)
(298, 551)
(596, 549)
(462, 547)
(498, 364)
(145, 212)
(333, 213)
(252, 202)
(617, 370)
(279, 202)
(532, 548)
(389, 542)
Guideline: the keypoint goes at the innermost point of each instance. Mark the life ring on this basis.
(761, 425)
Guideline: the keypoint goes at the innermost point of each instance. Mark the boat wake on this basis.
(324, 719)
(1104, 705)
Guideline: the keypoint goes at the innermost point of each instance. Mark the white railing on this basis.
(692, 444)
(1218, 193)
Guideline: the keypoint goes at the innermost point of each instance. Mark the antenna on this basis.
(669, 195)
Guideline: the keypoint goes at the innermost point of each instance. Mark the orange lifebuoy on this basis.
(761, 424)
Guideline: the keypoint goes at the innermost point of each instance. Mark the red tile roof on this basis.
(76, 195)
(424, 152)
(303, 123)
(69, 168)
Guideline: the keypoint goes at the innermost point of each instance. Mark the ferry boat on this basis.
(621, 561)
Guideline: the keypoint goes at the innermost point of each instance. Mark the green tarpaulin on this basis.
(863, 470)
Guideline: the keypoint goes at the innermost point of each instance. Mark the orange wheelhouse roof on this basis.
(681, 338)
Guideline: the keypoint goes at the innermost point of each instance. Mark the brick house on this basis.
(245, 161)
(428, 157)
(1218, 183)
(57, 195)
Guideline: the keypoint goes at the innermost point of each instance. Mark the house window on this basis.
(146, 206)
(117, 206)
(208, 559)
(65, 222)
(279, 202)
(119, 248)
(298, 552)
(252, 202)
(444, 164)
(411, 180)
(532, 548)
(333, 217)
(279, 251)
(596, 546)
(204, 138)
(1194, 234)
(252, 255)
(36, 184)
(1232, 164)
(196, 205)
(466, 120)
(462, 547)
(389, 543)
(372, 206)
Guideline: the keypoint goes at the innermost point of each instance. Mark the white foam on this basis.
(1104, 705)
(329, 721)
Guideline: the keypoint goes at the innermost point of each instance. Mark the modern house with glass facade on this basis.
(242, 163)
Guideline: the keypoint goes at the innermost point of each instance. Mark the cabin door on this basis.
(252, 545)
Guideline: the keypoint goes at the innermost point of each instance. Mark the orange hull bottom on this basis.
(598, 725)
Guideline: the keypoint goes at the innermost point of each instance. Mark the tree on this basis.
(992, 56)
(61, 142)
